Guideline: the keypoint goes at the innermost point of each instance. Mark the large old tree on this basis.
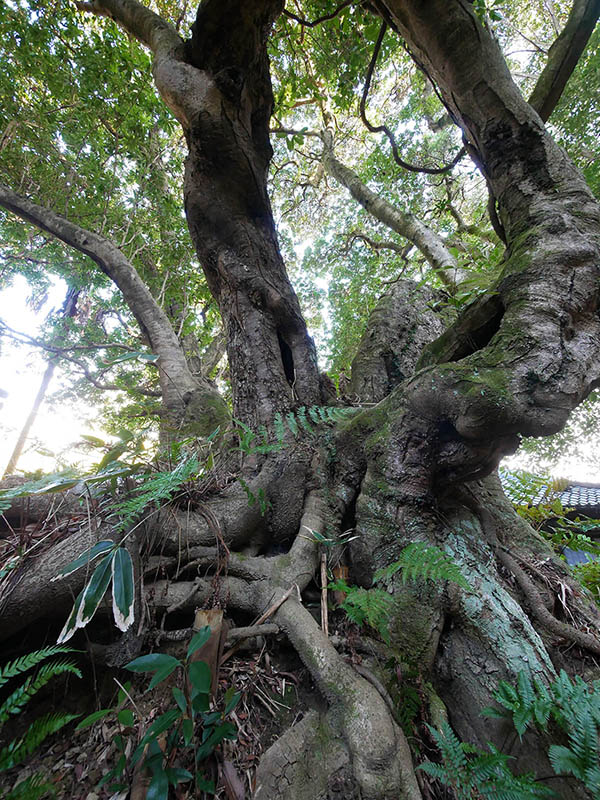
(443, 389)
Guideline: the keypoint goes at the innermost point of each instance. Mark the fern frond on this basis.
(158, 488)
(30, 660)
(19, 749)
(366, 606)
(419, 560)
(23, 694)
(32, 788)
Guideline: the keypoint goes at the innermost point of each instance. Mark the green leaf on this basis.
(179, 698)
(152, 662)
(200, 677)
(159, 786)
(161, 674)
(232, 698)
(95, 591)
(126, 718)
(123, 589)
(178, 775)
(188, 731)
(205, 785)
(198, 640)
(201, 702)
(160, 725)
(91, 719)
(86, 558)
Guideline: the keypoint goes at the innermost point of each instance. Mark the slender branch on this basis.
(318, 21)
(384, 129)
(564, 55)
(410, 227)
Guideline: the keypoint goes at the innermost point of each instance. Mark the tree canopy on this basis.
(84, 133)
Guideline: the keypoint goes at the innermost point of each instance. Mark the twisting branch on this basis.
(61, 352)
(384, 129)
(176, 379)
(305, 23)
(527, 586)
(563, 56)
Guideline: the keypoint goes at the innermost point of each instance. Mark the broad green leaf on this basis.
(205, 785)
(94, 440)
(179, 698)
(71, 624)
(200, 702)
(93, 718)
(152, 662)
(178, 775)
(162, 674)
(188, 731)
(160, 725)
(198, 639)
(126, 718)
(159, 786)
(200, 677)
(95, 591)
(232, 698)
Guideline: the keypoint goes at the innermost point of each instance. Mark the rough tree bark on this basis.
(416, 464)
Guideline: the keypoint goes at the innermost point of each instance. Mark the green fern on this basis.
(294, 423)
(419, 560)
(22, 695)
(29, 660)
(407, 702)
(158, 488)
(32, 788)
(18, 749)
(471, 772)
(370, 607)
(575, 708)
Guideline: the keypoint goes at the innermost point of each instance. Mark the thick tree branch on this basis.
(178, 385)
(564, 55)
(139, 21)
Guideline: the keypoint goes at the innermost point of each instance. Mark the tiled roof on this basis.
(529, 489)
(580, 495)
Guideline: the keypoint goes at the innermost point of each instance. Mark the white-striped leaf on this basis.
(123, 589)
(85, 558)
(94, 591)
(71, 623)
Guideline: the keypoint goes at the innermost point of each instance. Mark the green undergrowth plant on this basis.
(21, 747)
(570, 707)
(472, 773)
(417, 561)
(425, 562)
(302, 421)
(186, 734)
(566, 710)
(370, 607)
(536, 498)
(154, 488)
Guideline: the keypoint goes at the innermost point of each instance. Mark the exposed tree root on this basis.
(379, 751)
(539, 610)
